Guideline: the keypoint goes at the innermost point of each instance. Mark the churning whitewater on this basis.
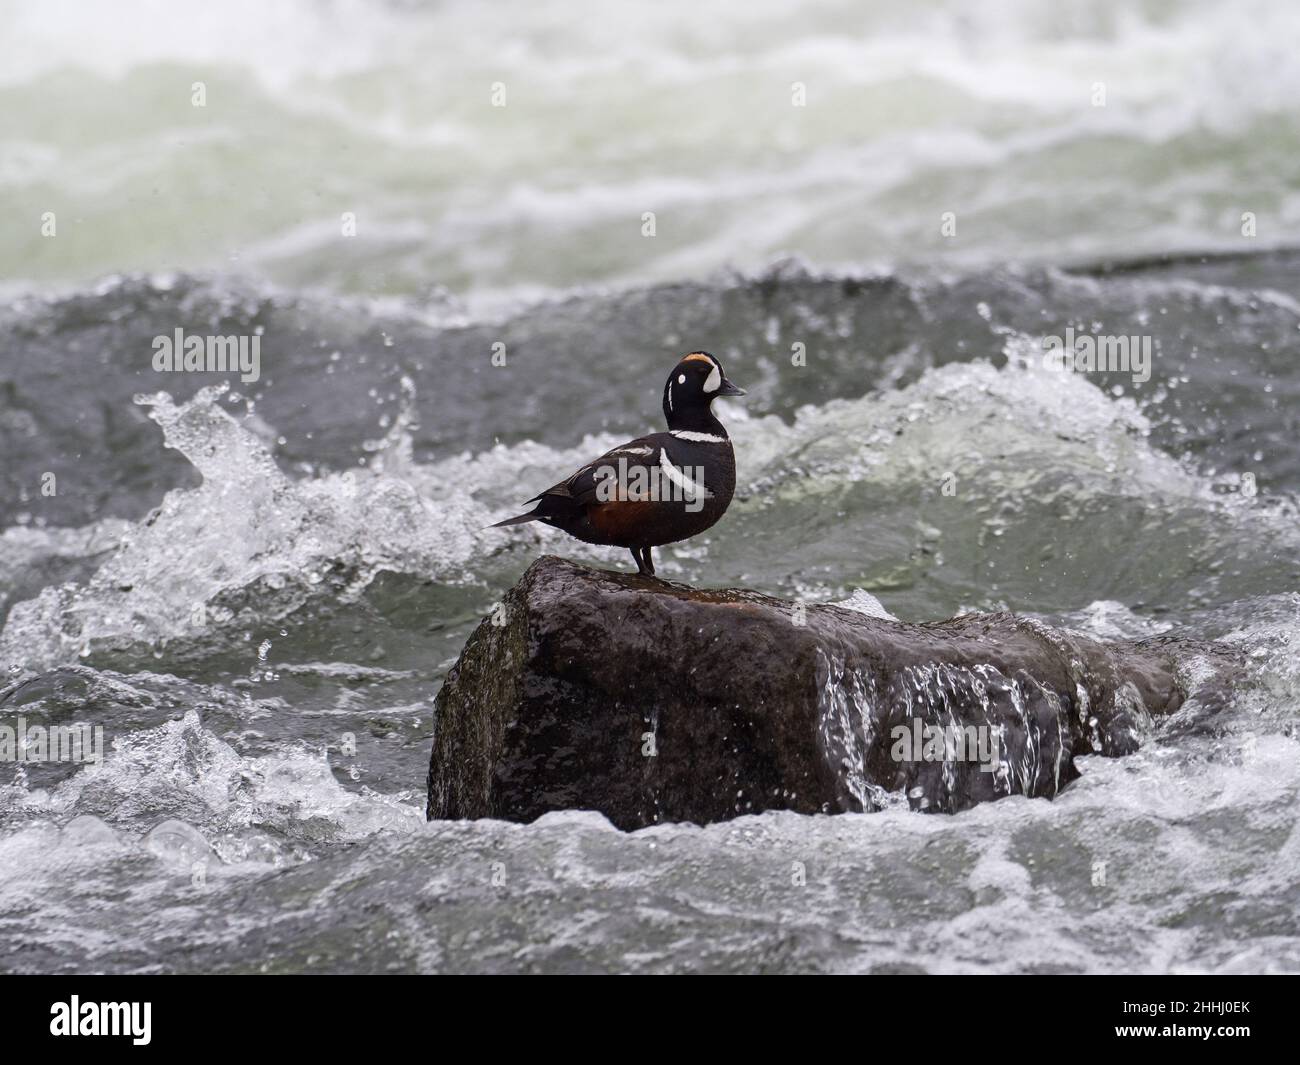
(262, 649)
(275, 359)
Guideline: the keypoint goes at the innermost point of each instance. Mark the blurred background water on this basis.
(685, 109)
(255, 587)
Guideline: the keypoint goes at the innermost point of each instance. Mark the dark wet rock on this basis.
(751, 703)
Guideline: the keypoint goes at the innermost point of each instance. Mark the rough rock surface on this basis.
(651, 701)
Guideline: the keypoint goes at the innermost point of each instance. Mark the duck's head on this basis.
(696, 381)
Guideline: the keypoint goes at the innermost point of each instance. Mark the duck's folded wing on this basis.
(584, 487)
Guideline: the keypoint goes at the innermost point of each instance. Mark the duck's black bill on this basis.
(728, 389)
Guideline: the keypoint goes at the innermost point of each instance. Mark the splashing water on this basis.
(264, 647)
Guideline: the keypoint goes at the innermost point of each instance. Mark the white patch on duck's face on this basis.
(681, 379)
(714, 381)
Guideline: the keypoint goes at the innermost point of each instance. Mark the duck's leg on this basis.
(649, 561)
(636, 555)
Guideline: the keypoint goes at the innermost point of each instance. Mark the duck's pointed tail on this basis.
(532, 515)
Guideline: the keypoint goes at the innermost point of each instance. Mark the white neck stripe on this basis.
(699, 438)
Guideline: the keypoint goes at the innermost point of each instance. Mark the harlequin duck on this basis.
(657, 489)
